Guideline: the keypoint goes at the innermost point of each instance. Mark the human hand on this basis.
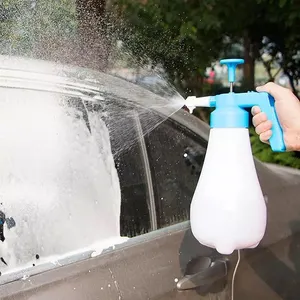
(287, 107)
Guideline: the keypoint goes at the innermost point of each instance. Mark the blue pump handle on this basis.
(230, 113)
(267, 104)
(231, 66)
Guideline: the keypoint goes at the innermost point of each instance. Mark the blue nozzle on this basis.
(231, 65)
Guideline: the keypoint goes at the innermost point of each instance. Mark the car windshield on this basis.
(62, 130)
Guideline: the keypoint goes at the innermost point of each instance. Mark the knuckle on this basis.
(261, 129)
(256, 118)
(261, 137)
(270, 84)
(264, 137)
(259, 119)
(258, 130)
(267, 125)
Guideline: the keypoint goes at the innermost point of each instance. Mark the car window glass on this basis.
(126, 143)
(134, 219)
(65, 191)
(176, 157)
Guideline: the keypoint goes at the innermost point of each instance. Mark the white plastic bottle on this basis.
(228, 210)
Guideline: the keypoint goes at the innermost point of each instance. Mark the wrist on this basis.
(292, 140)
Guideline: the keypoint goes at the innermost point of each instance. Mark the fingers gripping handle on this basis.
(267, 105)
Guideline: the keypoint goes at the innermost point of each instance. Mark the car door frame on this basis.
(145, 267)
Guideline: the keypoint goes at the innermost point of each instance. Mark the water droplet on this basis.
(176, 280)
(25, 277)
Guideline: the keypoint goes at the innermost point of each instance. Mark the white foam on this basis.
(57, 180)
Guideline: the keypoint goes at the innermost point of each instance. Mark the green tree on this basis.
(175, 35)
(282, 42)
(66, 31)
(185, 37)
(36, 28)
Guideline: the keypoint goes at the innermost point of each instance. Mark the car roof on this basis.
(94, 83)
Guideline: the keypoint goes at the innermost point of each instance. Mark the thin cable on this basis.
(234, 273)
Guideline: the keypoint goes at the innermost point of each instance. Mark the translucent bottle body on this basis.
(228, 210)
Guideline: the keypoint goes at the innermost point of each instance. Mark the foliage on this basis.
(185, 37)
(179, 37)
(282, 38)
(28, 27)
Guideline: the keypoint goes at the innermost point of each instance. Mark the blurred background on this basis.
(151, 42)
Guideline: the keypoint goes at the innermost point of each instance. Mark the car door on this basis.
(271, 271)
(161, 251)
(169, 159)
(176, 156)
(154, 261)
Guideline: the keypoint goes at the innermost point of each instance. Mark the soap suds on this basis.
(57, 179)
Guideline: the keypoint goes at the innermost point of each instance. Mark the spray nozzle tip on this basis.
(192, 102)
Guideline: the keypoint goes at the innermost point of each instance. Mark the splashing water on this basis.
(151, 109)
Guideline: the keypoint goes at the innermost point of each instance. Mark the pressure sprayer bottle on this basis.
(228, 210)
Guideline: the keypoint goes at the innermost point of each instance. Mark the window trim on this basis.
(148, 173)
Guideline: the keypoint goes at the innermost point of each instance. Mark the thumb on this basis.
(273, 89)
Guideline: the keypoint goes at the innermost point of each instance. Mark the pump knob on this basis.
(231, 65)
